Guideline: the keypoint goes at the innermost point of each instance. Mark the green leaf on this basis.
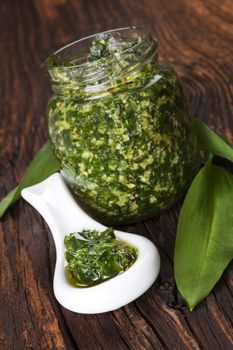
(43, 165)
(211, 142)
(204, 243)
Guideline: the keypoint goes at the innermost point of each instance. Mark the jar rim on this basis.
(142, 30)
(102, 74)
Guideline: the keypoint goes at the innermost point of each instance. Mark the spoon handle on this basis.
(52, 199)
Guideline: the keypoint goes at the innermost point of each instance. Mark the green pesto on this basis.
(130, 153)
(106, 45)
(94, 257)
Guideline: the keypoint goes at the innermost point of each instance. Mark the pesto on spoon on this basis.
(94, 257)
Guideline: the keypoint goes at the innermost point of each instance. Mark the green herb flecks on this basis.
(94, 257)
(126, 157)
(128, 151)
(105, 45)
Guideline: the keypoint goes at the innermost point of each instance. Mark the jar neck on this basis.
(113, 62)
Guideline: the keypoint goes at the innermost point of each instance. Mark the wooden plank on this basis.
(195, 37)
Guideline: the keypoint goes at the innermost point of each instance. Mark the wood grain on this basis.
(196, 38)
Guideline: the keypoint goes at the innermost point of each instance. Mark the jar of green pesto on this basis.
(119, 126)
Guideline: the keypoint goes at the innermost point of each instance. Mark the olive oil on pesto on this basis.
(123, 135)
(94, 257)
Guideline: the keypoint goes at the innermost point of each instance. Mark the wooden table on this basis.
(196, 38)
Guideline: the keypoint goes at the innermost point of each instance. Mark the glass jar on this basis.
(119, 126)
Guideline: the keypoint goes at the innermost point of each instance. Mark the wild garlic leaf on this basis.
(204, 243)
(43, 165)
(211, 142)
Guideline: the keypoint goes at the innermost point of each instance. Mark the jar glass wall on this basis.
(120, 126)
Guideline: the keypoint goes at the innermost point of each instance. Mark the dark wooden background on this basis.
(196, 37)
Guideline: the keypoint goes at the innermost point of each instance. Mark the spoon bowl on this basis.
(52, 199)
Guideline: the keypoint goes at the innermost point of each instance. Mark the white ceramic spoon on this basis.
(54, 202)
